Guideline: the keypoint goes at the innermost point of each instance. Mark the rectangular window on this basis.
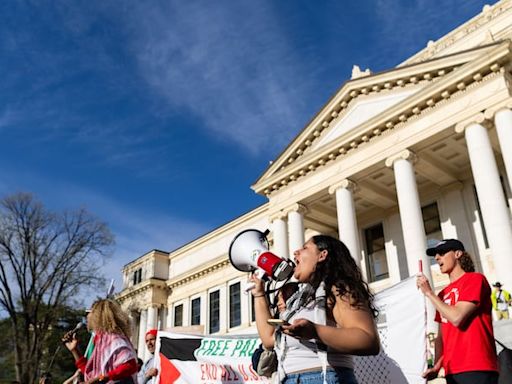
(214, 304)
(137, 276)
(376, 260)
(253, 312)
(234, 305)
(178, 315)
(431, 221)
(195, 310)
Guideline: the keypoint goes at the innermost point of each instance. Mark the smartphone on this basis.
(277, 322)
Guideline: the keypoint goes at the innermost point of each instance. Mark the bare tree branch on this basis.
(45, 259)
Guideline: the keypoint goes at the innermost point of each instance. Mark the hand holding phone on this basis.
(277, 322)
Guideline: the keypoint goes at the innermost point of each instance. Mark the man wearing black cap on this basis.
(500, 301)
(465, 343)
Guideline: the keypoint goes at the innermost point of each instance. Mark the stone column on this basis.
(503, 123)
(280, 231)
(296, 227)
(347, 222)
(141, 347)
(411, 217)
(495, 214)
(152, 317)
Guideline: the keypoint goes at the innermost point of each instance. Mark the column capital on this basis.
(297, 207)
(479, 118)
(345, 184)
(406, 154)
(279, 215)
(490, 113)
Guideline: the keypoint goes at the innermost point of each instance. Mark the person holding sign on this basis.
(465, 343)
(329, 318)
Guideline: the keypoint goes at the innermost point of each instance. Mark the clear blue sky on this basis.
(157, 116)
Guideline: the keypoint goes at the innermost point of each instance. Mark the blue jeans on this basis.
(333, 376)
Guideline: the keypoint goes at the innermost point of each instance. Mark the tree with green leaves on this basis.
(46, 259)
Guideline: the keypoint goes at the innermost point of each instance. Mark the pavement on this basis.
(502, 332)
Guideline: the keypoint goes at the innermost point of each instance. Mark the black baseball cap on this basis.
(444, 246)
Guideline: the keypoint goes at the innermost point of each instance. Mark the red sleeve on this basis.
(123, 370)
(80, 364)
(473, 288)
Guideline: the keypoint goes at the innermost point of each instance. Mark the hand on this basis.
(430, 374)
(151, 372)
(423, 284)
(70, 340)
(259, 286)
(301, 329)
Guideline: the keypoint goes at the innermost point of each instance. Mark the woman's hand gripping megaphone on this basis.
(256, 284)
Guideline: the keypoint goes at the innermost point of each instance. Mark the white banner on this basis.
(191, 359)
(402, 330)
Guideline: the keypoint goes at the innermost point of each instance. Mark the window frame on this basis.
(370, 272)
(211, 328)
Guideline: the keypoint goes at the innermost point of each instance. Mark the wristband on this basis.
(259, 295)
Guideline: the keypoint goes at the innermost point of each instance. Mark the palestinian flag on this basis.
(190, 359)
(90, 347)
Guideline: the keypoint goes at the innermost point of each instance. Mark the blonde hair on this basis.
(107, 316)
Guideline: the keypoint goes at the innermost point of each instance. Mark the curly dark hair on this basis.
(466, 263)
(341, 271)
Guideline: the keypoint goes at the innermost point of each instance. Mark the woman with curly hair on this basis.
(330, 317)
(113, 359)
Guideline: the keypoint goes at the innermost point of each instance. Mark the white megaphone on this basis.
(249, 252)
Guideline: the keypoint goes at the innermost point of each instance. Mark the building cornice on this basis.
(486, 65)
(140, 288)
(199, 273)
(488, 14)
(154, 254)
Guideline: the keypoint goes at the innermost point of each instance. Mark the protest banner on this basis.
(198, 359)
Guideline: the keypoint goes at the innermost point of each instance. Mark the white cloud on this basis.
(229, 64)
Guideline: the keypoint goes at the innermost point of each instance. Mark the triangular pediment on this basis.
(363, 108)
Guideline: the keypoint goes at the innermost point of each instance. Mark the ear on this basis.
(323, 255)
(458, 254)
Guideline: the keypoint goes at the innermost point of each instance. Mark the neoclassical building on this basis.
(418, 152)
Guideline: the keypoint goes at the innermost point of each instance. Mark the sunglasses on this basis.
(445, 252)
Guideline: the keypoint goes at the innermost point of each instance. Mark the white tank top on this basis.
(298, 355)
